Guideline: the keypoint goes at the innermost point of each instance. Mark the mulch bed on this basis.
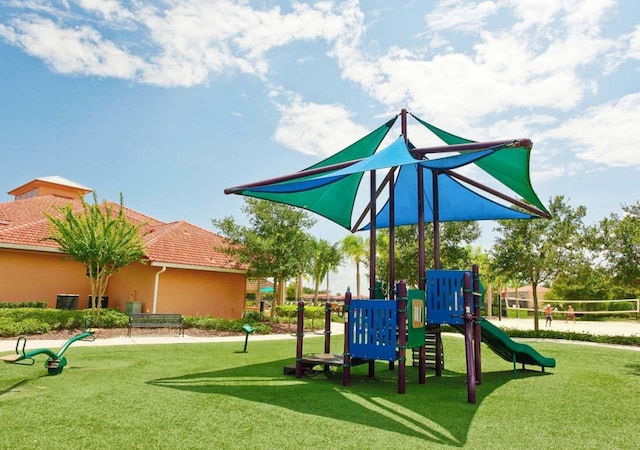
(104, 333)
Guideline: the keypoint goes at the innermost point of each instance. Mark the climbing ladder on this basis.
(430, 349)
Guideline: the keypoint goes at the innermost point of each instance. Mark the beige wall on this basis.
(200, 293)
(38, 276)
(35, 276)
(133, 283)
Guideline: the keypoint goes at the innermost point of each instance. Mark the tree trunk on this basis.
(328, 286)
(299, 288)
(488, 296)
(315, 291)
(358, 279)
(534, 291)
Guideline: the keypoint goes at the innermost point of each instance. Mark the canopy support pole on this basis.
(532, 209)
(436, 221)
(372, 236)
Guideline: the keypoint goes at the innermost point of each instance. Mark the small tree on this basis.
(324, 258)
(103, 240)
(275, 245)
(536, 251)
(354, 247)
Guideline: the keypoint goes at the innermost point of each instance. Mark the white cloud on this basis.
(314, 129)
(508, 67)
(72, 50)
(604, 134)
(463, 15)
(633, 40)
(181, 43)
(111, 10)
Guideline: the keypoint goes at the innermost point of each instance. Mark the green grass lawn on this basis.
(213, 396)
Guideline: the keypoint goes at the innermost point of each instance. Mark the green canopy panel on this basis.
(333, 201)
(511, 168)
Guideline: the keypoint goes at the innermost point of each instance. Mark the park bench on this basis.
(148, 320)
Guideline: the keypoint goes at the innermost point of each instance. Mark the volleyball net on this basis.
(627, 306)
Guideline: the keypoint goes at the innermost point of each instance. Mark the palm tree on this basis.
(324, 258)
(355, 247)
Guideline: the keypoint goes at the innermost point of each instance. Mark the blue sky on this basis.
(170, 102)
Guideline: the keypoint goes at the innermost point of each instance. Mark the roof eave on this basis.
(33, 248)
(196, 267)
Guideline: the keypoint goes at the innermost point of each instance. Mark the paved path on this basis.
(10, 344)
(628, 328)
(617, 328)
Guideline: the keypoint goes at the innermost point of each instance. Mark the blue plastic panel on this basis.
(445, 301)
(372, 329)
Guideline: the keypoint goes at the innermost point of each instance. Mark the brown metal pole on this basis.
(506, 144)
(401, 306)
(523, 205)
(327, 327)
(372, 236)
(299, 337)
(436, 220)
(392, 239)
(292, 176)
(477, 330)
(367, 208)
(468, 339)
(346, 356)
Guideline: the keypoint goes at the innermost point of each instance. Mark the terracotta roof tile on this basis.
(23, 223)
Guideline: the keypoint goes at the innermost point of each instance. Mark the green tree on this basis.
(275, 243)
(535, 251)
(325, 257)
(455, 249)
(617, 239)
(102, 239)
(355, 247)
(581, 281)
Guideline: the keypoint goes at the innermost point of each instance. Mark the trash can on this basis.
(133, 308)
(103, 303)
(67, 301)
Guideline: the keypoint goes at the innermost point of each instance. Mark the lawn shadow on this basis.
(14, 386)
(633, 369)
(437, 411)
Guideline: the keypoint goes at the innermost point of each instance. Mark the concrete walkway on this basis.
(626, 328)
(617, 328)
(10, 344)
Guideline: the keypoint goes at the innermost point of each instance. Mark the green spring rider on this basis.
(55, 361)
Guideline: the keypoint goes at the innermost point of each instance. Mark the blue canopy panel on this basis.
(395, 155)
(456, 201)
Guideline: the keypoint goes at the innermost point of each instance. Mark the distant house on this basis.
(184, 272)
(523, 295)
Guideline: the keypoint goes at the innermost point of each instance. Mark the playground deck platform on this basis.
(321, 359)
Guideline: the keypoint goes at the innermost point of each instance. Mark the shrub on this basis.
(110, 318)
(8, 328)
(253, 316)
(224, 325)
(40, 305)
(38, 321)
(623, 306)
(33, 326)
(310, 312)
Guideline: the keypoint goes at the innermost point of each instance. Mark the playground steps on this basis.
(430, 350)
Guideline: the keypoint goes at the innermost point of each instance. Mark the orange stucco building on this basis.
(184, 272)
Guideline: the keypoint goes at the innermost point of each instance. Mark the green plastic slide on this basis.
(508, 349)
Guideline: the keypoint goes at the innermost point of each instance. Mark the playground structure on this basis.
(421, 188)
(385, 329)
(55, 361)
